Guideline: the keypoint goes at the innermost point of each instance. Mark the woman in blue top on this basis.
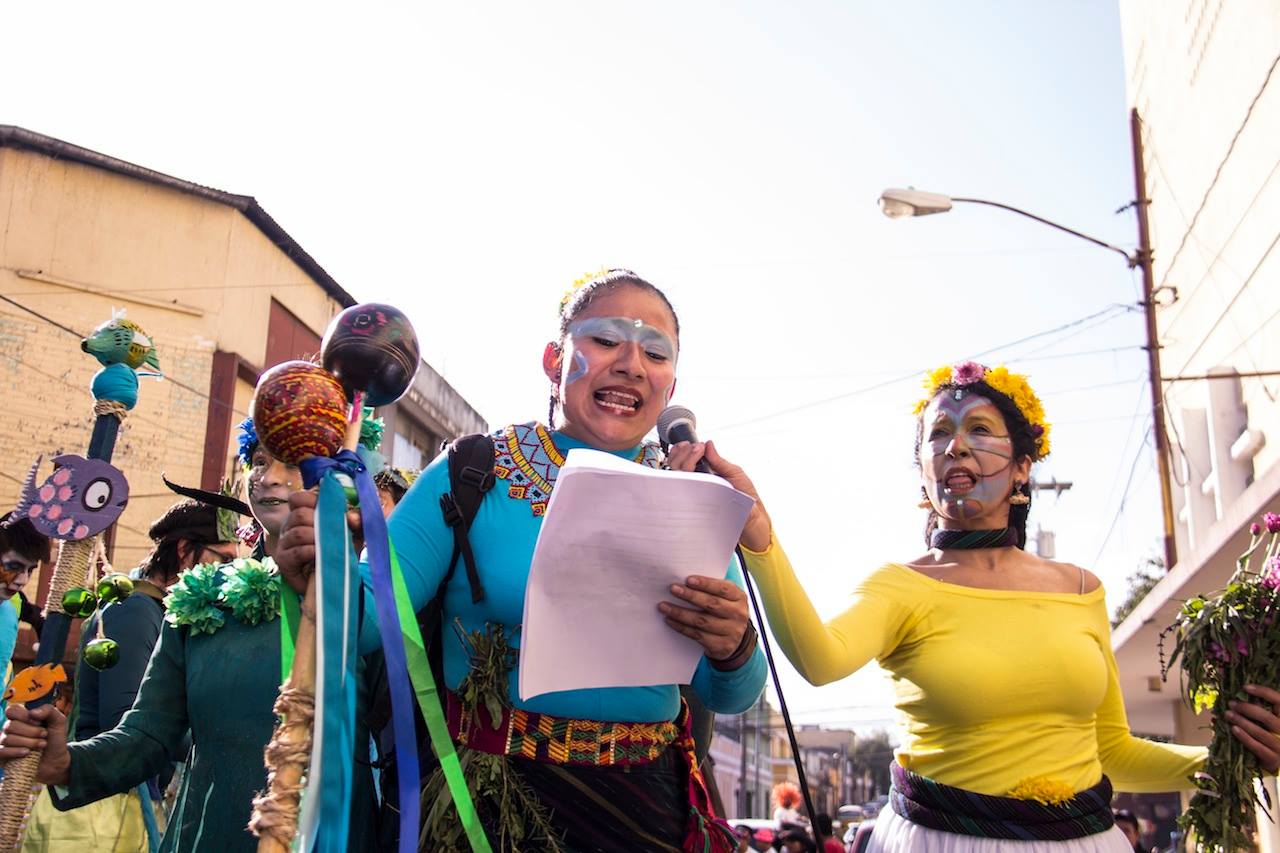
(600, 769)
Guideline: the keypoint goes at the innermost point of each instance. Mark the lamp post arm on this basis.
(1131, 259)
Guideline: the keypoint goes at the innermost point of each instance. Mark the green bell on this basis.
(79, 603)
(102, 653)
(114, 587)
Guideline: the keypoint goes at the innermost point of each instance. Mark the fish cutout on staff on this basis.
(34, 682)
(81, 498)
(121, 341)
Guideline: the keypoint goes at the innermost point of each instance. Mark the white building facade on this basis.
(1204, 76)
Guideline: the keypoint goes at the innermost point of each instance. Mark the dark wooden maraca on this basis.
(373, 351)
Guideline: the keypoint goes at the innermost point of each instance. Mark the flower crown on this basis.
(1012, 385)
(579, 282)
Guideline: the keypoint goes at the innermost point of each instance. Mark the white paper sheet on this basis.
(615, 537)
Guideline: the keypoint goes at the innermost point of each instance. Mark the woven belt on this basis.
(932, 804)
(559, 740)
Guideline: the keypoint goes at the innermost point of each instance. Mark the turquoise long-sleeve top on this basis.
(502, 538)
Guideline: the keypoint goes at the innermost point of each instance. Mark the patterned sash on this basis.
(593, 743)
(931, 804)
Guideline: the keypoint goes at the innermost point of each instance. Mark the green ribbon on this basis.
(291, 616)
(424, 687)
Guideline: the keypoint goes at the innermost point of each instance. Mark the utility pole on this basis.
(1143, 261)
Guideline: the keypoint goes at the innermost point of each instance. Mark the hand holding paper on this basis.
(616, 537)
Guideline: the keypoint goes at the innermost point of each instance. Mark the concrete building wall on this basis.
(203, 272)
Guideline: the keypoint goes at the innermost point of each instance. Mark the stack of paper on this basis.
(615, 537)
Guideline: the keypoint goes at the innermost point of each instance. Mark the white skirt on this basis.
(896, 834)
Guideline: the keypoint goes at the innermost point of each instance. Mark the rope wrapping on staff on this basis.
(110, 408)
(275, 811)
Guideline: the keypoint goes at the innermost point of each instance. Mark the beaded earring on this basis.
(925, 503)
(1018, 498)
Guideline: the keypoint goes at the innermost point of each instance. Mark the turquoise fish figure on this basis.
(121, 341)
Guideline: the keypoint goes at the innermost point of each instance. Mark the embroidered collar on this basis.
(526, 457)
(249, 589)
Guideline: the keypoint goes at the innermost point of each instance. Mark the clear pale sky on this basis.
(468, 161)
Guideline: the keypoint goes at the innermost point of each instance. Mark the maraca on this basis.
(299, 410)
(372, 349)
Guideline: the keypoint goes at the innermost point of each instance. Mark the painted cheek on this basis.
(578, 367)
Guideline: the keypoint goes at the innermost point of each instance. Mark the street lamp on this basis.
(905, 203)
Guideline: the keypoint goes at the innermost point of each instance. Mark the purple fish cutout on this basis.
(81, 498)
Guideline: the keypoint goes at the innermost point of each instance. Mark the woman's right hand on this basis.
(684, 456)
(43, 728)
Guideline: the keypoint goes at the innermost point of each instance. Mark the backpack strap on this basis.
(470, 476)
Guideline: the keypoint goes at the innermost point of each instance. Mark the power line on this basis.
(916, 373)
(1217, 175)
(1115, 518)
(184, 386)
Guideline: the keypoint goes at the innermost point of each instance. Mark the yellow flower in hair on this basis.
(578, 283)
(1046, 791)
(1013, 385)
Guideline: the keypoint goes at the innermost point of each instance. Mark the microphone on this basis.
(677, 424)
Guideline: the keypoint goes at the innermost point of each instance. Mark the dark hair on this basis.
(578, 300)
(1024, 445)
(19, 534)
(188, 520)
(1126, 816)
(822, 823)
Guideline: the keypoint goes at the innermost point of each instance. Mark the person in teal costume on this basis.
(220, 686)
(611, 376)
(22, 550)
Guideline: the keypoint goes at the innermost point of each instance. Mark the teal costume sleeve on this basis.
(423, 542)
(145, 741)
(735, 691)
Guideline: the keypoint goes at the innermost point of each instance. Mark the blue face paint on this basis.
(614, 331)
(966, 456)
(577, 368)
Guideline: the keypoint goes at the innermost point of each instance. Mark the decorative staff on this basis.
(300, 411)
(81, 499)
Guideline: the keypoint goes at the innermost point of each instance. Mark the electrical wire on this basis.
(1115, 518)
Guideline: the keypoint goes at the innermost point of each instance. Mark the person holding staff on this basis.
(1015, 724)
(215, 672)
(599, 769)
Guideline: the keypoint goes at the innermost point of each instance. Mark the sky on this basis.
(469, 161)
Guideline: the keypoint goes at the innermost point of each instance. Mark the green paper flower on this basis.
(193, 600)
(252, 590)
(371, 430)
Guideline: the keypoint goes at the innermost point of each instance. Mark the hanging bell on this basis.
(79, 603)
(102, 653)
(114, 587)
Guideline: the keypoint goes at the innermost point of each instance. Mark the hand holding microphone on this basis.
(677, 430)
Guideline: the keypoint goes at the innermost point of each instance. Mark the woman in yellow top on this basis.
(1001, 660)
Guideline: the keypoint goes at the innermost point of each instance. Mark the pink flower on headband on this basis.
(967, 373)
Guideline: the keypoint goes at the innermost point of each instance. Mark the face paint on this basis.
(578, 367)
(966, 456)
(618, 330)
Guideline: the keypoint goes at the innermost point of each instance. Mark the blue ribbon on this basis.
(375, 536)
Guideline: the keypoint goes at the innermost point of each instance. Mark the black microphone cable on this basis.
(777, 685)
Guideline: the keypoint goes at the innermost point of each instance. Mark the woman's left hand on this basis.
(716, 616)
(1257, 727)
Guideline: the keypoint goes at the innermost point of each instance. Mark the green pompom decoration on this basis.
(102, 653)
(194, 599)
(252, 590)
(79, 603)
(370, 429)
(114, 587)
